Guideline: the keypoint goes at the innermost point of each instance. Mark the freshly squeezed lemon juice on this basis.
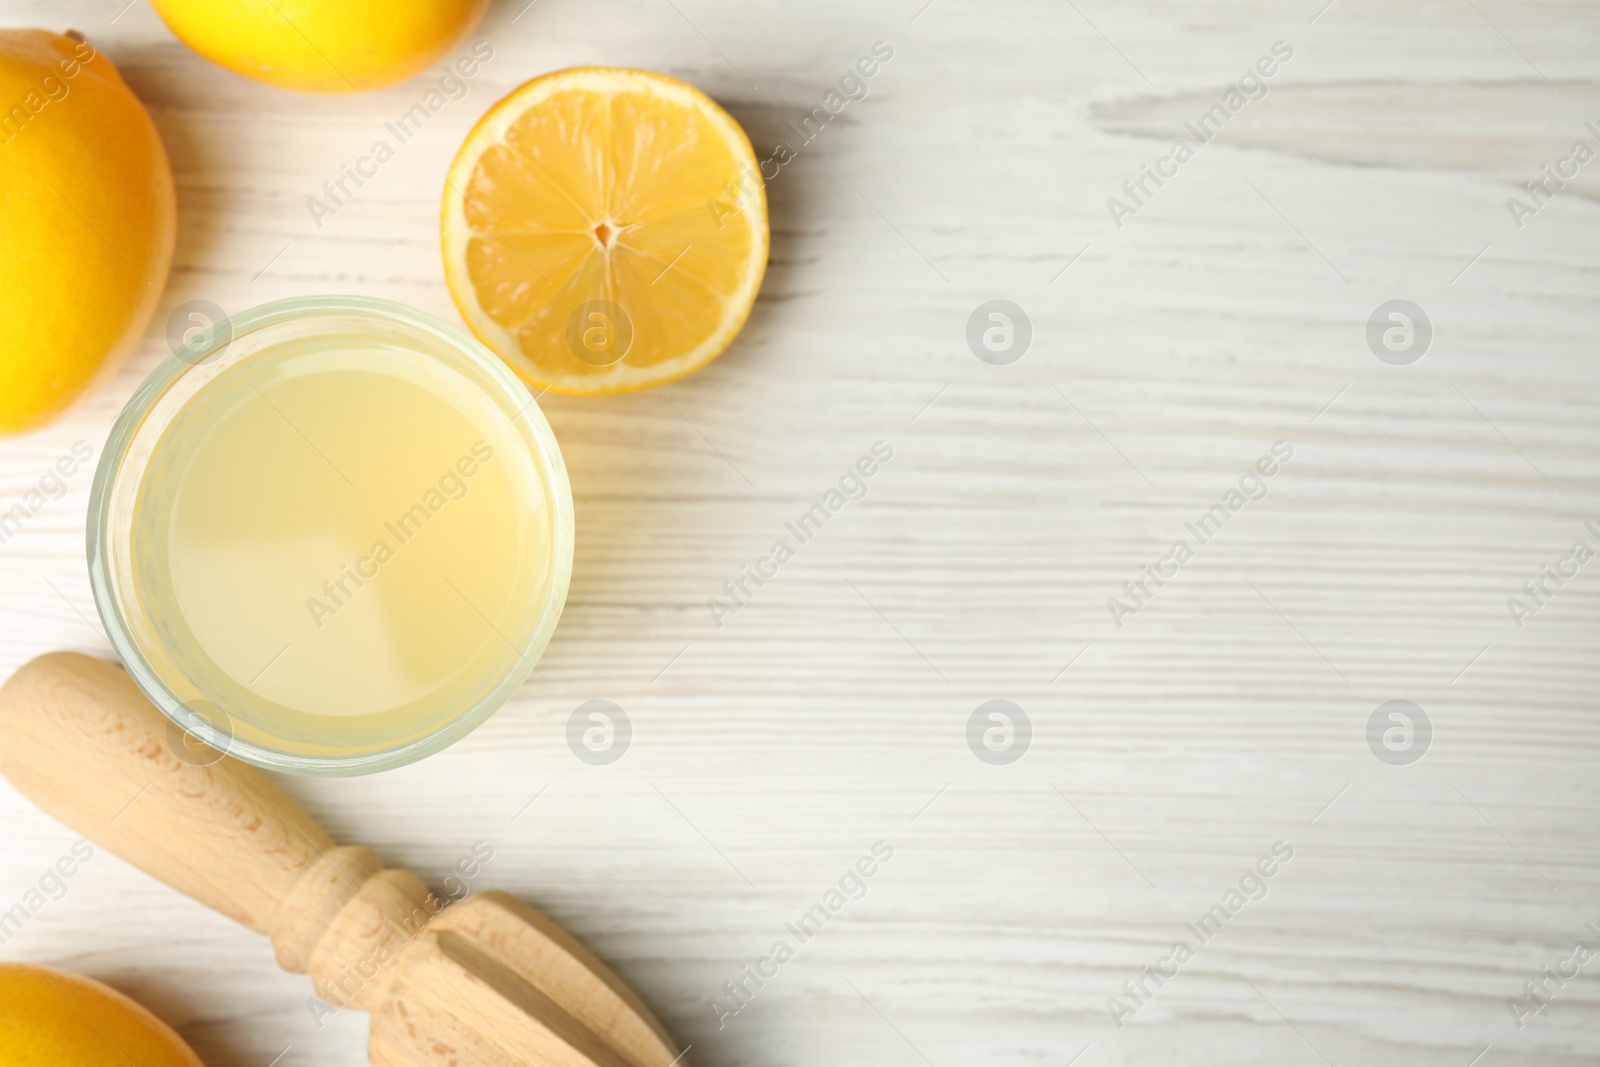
(339, 544)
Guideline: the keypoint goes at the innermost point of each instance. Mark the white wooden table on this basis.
(1226, 313)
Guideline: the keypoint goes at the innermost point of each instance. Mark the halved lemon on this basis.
(605, 230)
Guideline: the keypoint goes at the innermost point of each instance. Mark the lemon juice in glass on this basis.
(331, 535)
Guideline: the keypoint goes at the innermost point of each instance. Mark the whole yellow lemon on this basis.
(321, 46)
(90, 222)
(49, 1018)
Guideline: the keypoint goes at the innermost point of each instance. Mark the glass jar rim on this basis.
(188, 359)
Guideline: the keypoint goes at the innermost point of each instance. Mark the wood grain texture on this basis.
(448, 981)
(1228, 313)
